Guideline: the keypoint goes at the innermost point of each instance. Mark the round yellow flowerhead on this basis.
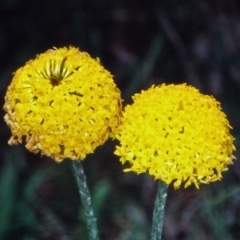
(63, 104)
(176, 134)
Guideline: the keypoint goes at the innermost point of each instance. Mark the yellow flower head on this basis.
(63, 104)
(177, 135)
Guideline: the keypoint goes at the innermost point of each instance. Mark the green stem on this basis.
(158, 212)
(86, 199)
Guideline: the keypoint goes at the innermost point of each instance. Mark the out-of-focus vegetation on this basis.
(142, 43)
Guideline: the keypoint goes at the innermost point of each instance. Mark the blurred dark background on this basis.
(141, 43)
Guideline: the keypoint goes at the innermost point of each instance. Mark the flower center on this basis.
(55, 81)
(55, 71)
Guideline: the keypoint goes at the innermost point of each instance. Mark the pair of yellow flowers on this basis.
(64, 104)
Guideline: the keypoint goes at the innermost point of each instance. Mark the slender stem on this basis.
(158, 212)
(86, 199)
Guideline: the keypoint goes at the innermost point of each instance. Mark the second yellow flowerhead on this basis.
(63, 104)
(176, 134)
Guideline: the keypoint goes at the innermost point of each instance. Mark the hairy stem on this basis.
(86, 199)
(158, 212)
